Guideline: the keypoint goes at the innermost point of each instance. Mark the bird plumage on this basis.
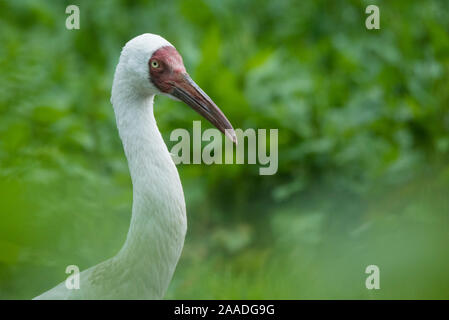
(144, 266)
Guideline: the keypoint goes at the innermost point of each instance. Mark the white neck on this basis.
(158, 224)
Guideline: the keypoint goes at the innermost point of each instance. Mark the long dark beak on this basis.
(186, 90)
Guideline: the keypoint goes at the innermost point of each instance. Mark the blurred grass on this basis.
(363, 145)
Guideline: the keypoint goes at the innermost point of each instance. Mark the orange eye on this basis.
(155, 64)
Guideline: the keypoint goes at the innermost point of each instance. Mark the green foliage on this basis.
(363, 145)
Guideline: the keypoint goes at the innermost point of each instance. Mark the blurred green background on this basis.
(363, 123)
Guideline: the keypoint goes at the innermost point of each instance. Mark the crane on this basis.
(144, 266)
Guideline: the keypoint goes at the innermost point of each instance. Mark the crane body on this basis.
(144, 266)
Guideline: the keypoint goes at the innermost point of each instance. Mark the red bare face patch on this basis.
(165, 67)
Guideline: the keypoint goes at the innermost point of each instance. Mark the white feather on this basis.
(144, 266)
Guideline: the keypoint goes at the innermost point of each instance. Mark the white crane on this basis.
(144, 266)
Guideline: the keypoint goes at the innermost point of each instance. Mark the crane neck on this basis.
(158, 224)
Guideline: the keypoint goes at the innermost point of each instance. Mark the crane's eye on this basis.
(154, 64)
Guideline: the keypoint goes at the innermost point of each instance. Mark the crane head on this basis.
(166, 75)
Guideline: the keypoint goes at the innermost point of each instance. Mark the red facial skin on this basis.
(168, 74)
(170, 69)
